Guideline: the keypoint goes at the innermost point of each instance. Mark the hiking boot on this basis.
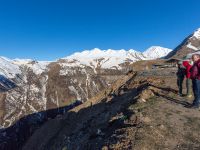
(189, 96)
(181, 95)
(194, 107)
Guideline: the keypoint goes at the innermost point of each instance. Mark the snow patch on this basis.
(8, 68)
(38, 67)
(192, 47)
(197, 33)
(74, 91)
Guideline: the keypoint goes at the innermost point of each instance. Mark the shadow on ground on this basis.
(169, 98)
(13, 137)
(90, 127)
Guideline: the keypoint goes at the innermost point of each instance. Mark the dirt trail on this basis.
(143, 113)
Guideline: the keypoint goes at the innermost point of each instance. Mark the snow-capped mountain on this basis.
(113, 58)
(94, 58)
(40, 85)
(28, 86)
(37, 67)
(189, 45)
(196, 34)
(8, 68)
(155, 52)
(194, 41)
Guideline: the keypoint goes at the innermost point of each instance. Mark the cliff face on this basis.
(35, 98)
(56, 87)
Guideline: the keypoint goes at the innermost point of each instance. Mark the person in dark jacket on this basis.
(195, 76)
(180, 77)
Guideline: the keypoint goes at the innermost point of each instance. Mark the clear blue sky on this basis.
(50, 29)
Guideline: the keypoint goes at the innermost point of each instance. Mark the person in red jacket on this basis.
(195, 76)
(188, 66)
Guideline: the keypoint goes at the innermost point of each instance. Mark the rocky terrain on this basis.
(136, 112)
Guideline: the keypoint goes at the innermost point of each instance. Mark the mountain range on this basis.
(40, 85)
(29, 86)
(34, 86)
(94, 58)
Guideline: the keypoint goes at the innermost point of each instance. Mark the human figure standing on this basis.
(195, 76)
(180, 77)
(188, 65)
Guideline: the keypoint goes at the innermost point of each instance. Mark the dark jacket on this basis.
(195, 70)
(181, 72)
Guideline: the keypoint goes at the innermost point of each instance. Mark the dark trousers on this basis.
(196, 91)
(180, 84)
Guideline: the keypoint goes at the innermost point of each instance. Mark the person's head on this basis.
(195, 57)
(179, 64)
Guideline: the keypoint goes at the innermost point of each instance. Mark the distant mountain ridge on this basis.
(113, 58)
(93, 58)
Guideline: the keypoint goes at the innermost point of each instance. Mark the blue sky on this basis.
(50, 29)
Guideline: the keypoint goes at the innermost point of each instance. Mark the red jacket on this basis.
(187, 65)
(195, 70)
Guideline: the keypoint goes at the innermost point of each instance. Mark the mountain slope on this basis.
(140, 113)
(190, 45)
(8, 68)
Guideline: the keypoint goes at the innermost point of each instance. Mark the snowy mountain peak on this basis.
(98, 53)
(156, 52)
(193, 41)
(38, 67)
(152, 52)
(197, 33)
(95, 58)
(8, 68)
(113, 58)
